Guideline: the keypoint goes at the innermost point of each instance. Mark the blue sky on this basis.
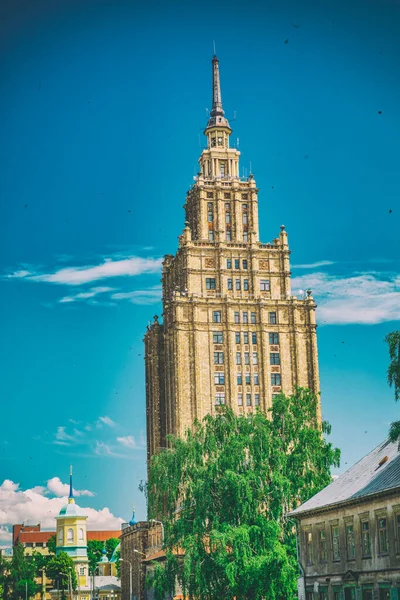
(102, 107)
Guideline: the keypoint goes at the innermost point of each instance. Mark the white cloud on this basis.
(127, 441)
(58, 488)
(364, 298)
(85, 295)
(30, 505)
(127, 267)
(107, 421)
(316, 265)
(147, 296)
(103, 449)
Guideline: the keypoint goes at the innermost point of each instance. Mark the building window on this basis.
(213, 141)
(246, 358)
(244, 197)
(227, 196)
(366, 538)
(228, 234)
(81, 536)
(245, 236)
(245, 218)
(240, 399)
(237, 337)
(274, 358)
(245, 317)
(230, 284)
(272, 318)
(254, 338)
(219, 398)
(264, 285)
(237, 284)
(351, 547)
(323, 555)
(255, 358)
(60, 537)
(256, 379)
(245, 337)
(210, 283)
(70, 536)
(238, 358)
(219, 378)
(309, 547)
(218, 337)
(237, 317)
(220, 141)
(274, 338)
(218, 358)
(245, 264)
(222, 169)
(257, 399)
(210, 236)
(239, 379)
(274, 396)
(237, 263)
(246, 285)
(82, 571)
(253, 318)
(210, 216)
(228, 263)
(248, 399)
(210, 195)
(248, 379)
(275, 378)
(227, 215)
(335, 542)
(383, 536)
(217, 316)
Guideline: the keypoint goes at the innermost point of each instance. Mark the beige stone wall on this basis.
(378, 568)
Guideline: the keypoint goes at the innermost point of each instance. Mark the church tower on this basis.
(232, 332)
(71, 535)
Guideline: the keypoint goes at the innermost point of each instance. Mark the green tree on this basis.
(111, 544)
(393, 378)
(51, 544)
(58, 570)
(233, 479)
(118, 563)
(21, 576)
(95, 551)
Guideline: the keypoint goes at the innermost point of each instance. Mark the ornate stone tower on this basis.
(233, 333)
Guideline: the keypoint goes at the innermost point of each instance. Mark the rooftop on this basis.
(378, 472)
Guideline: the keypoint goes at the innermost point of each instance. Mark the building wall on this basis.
(181, 371)
(133, 538)
(353, 572)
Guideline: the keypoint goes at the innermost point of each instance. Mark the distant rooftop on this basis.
(377, 472)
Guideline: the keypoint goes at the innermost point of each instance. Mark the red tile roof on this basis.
(44, 536)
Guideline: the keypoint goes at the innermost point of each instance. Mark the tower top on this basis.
(217, 113)
(71, 499)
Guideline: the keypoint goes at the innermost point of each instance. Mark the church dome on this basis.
(71, 510)
(115, 553)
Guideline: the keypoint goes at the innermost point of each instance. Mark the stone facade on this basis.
(133, 538)
(232, 333)
(353, 552)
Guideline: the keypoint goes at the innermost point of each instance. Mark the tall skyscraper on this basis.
(232, 332)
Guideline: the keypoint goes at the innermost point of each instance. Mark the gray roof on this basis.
(363, 479)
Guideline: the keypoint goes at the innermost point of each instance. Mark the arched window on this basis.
(60, 536)
(81, 538)
(70, 536)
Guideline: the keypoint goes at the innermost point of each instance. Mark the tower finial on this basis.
(71, 499)
(217, 112)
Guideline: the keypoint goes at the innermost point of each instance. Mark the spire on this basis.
(71, 498)
(217, 112)
(217, 109)
(132, 521)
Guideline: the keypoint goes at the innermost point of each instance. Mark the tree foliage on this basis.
(111, 544)
(95, 551)
(21, 575)
(233, 479)
(58, 570)
(393, 378)
(51, 544)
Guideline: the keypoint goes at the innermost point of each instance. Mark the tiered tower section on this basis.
(233, 333)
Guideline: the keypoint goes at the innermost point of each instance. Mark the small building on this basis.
(349, 533)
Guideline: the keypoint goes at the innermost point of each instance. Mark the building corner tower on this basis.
(232, 332)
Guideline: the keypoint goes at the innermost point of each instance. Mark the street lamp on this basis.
(138, 552)
(130, 573)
